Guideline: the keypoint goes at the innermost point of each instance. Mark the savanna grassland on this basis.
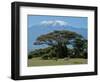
(64, 48)
(40, 62)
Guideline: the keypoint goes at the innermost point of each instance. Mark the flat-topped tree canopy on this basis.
(57, 36)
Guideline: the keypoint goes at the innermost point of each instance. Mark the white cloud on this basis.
(54, 22)
(47, 22)
(61, 22)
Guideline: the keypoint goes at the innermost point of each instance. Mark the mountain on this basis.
(44, 28)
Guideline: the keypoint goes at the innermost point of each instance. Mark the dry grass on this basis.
(40, 62)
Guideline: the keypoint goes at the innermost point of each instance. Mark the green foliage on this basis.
(57, 42)
(40, 52)
(45, 57)
(80, 47)
(56, 37)
(30, 56)
(85, 55)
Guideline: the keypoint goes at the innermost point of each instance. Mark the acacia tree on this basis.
(59, 40)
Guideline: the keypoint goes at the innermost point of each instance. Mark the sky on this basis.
(73, 21)
(42, 24)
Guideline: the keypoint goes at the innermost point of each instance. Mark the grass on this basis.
(40, 62)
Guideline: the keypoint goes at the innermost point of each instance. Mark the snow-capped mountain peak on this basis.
(54, 23)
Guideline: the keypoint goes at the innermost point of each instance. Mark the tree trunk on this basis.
(61, 50)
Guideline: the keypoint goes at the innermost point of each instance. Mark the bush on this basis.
(45, 57)
(30, 56)
(85, 55)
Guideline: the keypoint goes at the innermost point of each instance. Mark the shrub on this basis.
(85, 55)
(45, 57)
(30, 56)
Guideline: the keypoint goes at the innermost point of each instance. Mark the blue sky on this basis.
(36, 26)
(72, 21)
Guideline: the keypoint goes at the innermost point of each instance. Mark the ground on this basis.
(40, 62)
